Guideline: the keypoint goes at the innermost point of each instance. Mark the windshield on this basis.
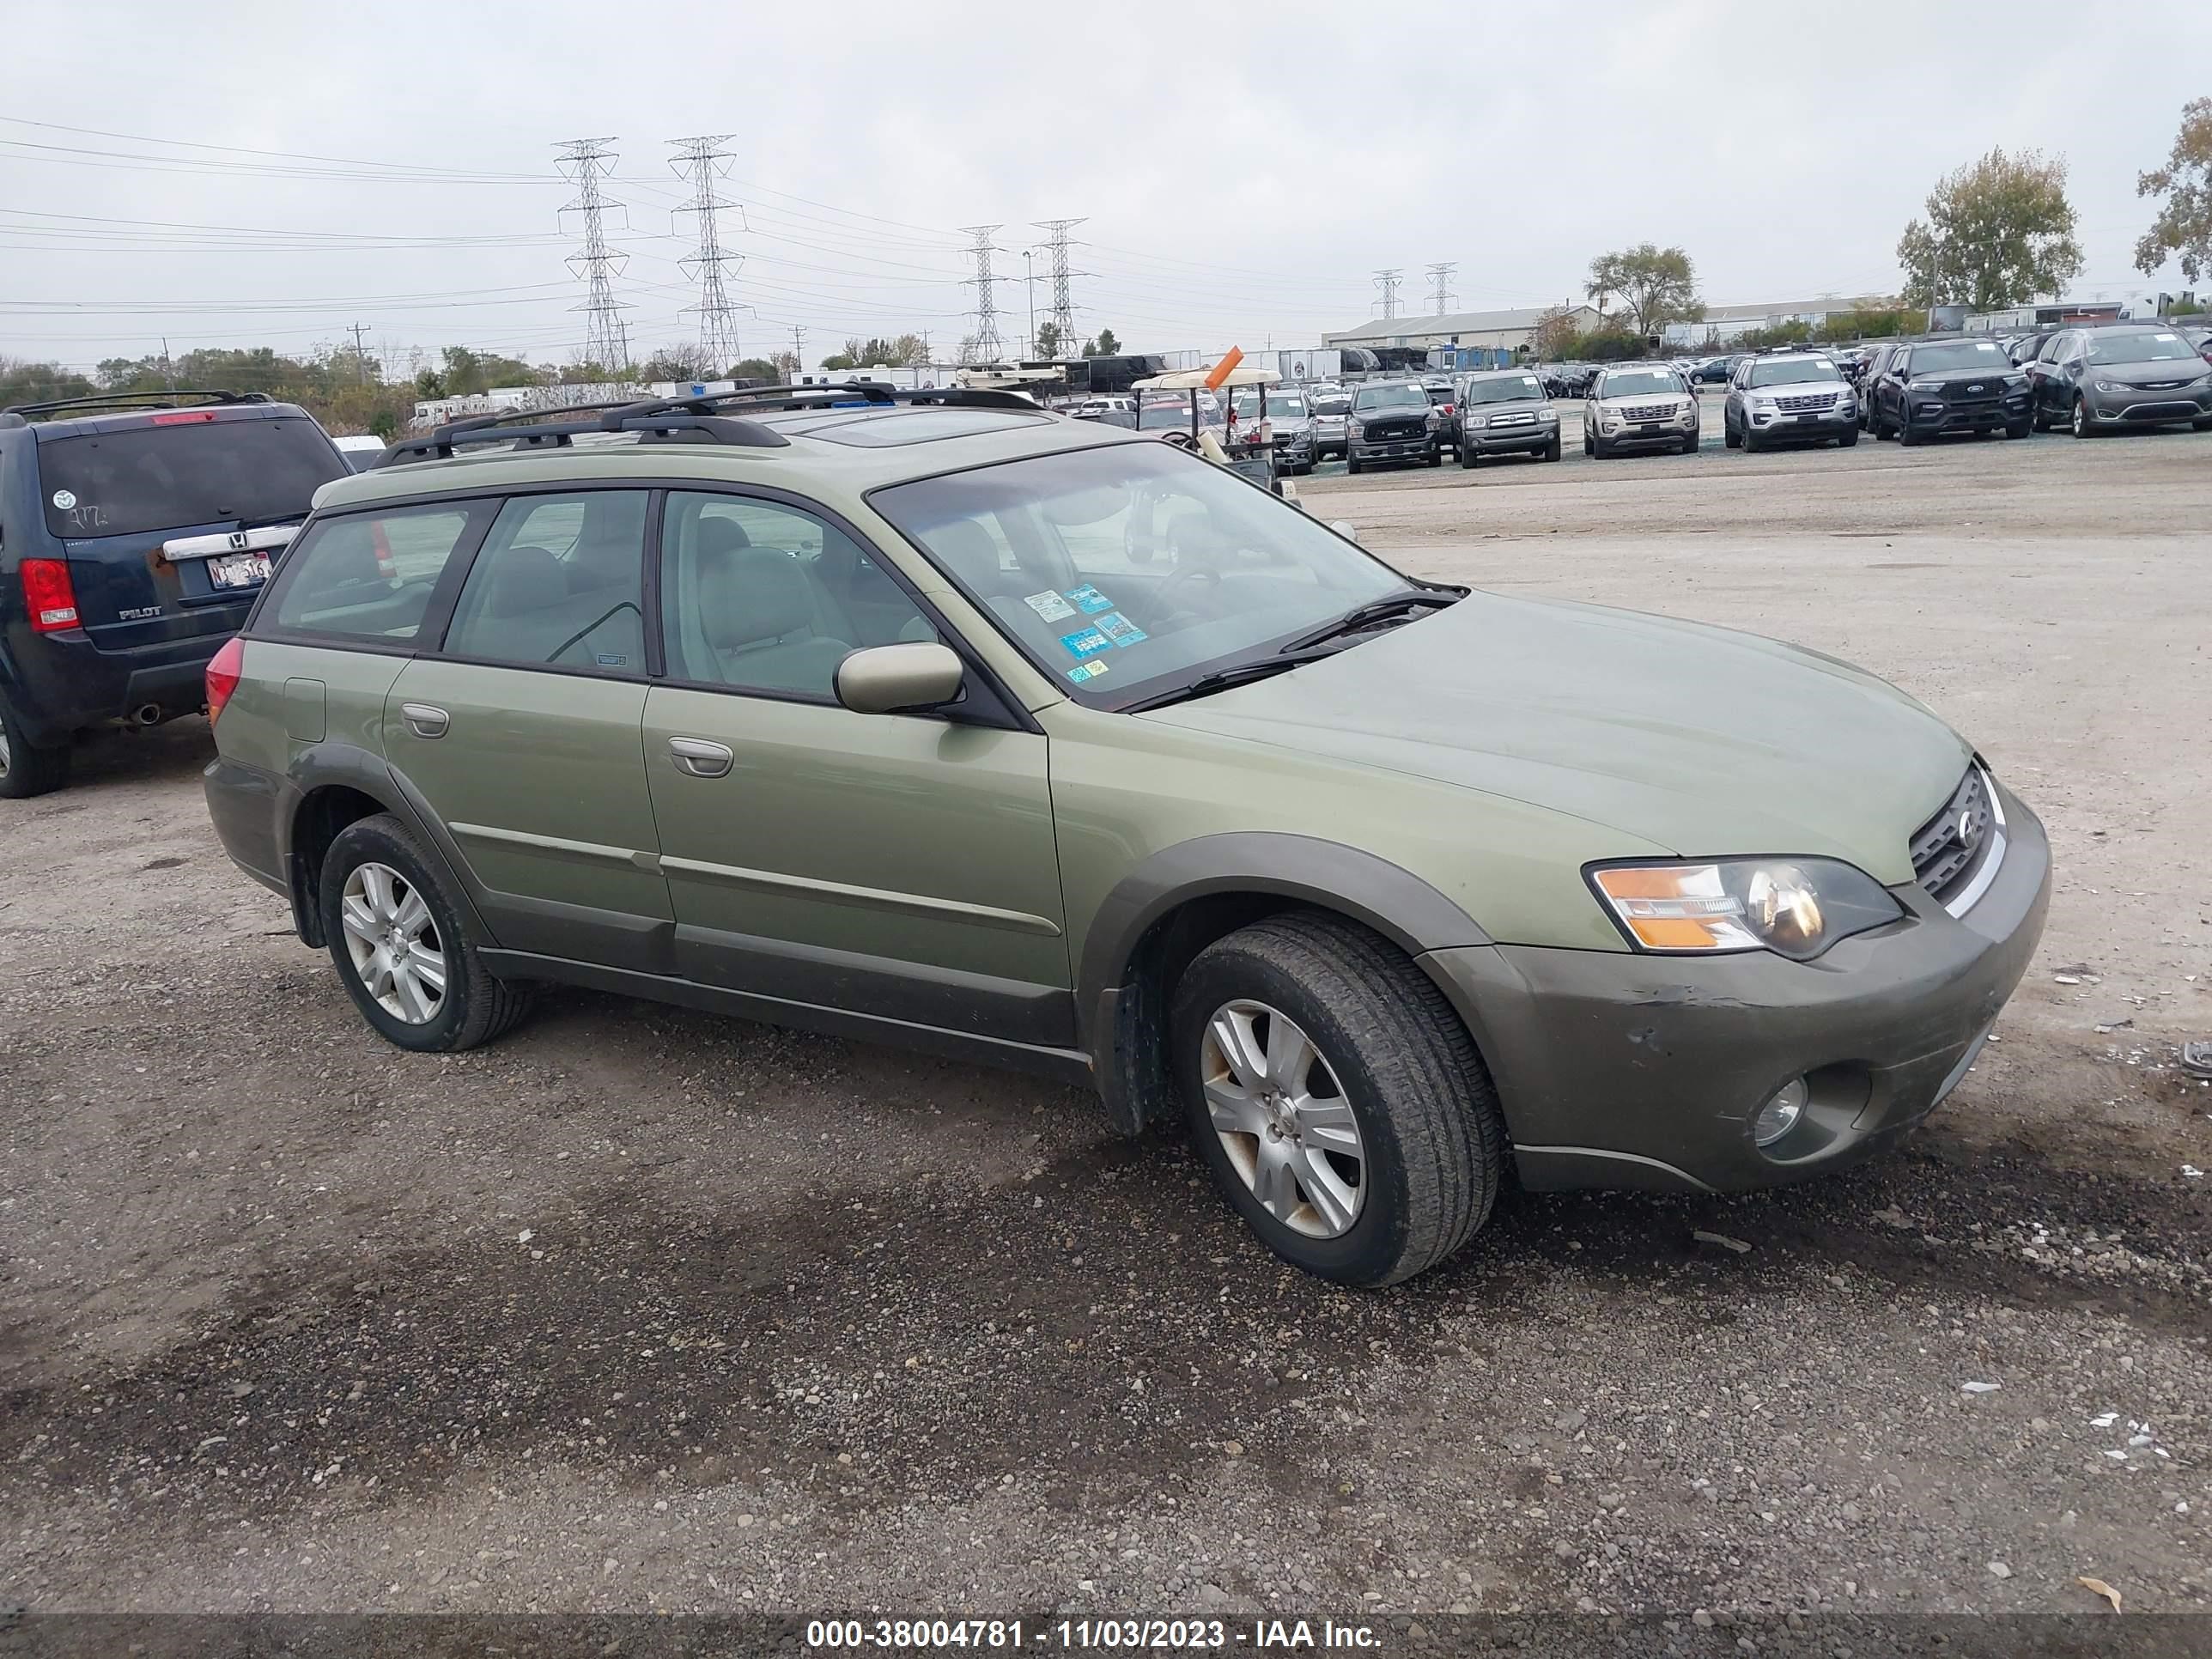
(194, 472)
(1391, 397)
(1640, 382)
(1959, 354)
(1510, 389)
(1174, 415)
(1795, 372)
(1285, 407)
(1332, 405)
(2138, 348)
(1130, 569)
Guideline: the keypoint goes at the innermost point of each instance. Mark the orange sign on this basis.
(1221, 370)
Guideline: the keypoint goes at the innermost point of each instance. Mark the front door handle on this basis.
(425, 719)
(701, 758)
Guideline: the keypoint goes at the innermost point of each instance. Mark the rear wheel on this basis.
(401, 949)
(1337, 1098)
(27, 768)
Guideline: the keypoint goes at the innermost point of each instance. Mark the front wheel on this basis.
(2080, 425)
(1436, 458)
(1906, 434)
(2021, 430)
(1849, 438)
(27, 768)
(1337, 1098)
(1749, 443)
(1351, 467)
(1730, 438)
(401, 949)
(1466, 457)
(1690, 444)
(1550, 451)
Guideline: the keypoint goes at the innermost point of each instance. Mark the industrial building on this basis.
(1499, 330)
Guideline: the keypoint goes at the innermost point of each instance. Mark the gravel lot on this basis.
(643, 1309)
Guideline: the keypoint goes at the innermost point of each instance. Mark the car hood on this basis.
(1794, 388)
(2183, 369)
(1698, 738)
(1639, 399)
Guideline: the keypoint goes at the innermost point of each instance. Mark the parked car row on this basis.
(2089, 379)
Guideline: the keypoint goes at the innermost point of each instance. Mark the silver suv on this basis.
(1504, 411)
(1796, 397)
(1640, 406)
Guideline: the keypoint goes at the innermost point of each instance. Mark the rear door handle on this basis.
(701, 758)
(425, 719)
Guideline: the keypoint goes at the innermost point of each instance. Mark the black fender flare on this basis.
(327, 764)
(1121, 1017)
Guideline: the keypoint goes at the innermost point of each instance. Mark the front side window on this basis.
(766, 598)
(367, 575)
(559, 583)
(1125, 569)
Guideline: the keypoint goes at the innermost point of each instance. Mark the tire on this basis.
(2039, 418)
(27, 768)
(1435, 459)
(1747, 441)
(1431, 1142)
(1690, 444)
(2080, 423)
(1730, 438)
(1466, 459)
(1550, 451)
(1849, 440)
(2021, 430)
(473, 1007)
(1589, 444)
(2204, 425)
(1906, 434)
(1351, 467)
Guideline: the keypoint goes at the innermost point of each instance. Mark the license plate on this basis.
(237, 569)
(1643, 427)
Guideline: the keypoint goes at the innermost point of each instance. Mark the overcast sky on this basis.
(1242, 170)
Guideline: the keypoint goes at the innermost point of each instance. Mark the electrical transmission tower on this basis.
(606, 341)
(702, 160)
(1063, 303)
(1387, 282)
(983, 345)
(1440, 277)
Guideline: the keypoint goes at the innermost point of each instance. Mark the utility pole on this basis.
(984, 346)
(1063, 298)
(359, 353)
(1440, 277)
(586, 160)
(1387, 282)
(703, 161)
(1029, 278)
(798, 347)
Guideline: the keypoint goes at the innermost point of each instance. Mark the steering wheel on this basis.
(1183, 576)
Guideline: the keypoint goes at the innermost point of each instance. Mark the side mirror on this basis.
(1344, 528)
(885, 679)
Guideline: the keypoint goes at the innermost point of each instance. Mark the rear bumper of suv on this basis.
(1633, 1071)
(60, 684)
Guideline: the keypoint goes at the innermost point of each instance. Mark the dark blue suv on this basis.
(135, 531)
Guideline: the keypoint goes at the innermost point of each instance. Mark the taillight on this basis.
(223, 671)
(189, 417)
(48, 596)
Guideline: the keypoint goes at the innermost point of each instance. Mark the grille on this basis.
(1806, 403)
(1394, 431)
(1648, 412)
(2167, 411)
(1973, 392)
(1949, 848)
(1522, 419)
(2158, 386)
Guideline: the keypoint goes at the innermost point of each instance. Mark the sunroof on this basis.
(890, 428)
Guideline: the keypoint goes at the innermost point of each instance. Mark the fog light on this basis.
(1779, 1115)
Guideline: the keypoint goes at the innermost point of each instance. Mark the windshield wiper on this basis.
(1375, 611)
(1221, 679)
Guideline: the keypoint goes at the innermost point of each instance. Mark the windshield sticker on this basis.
(1089, 671)
(64, 499)
(2167, 339)
(1089, 598)
(1120, 629)
(1049, 605)
(1087, 642)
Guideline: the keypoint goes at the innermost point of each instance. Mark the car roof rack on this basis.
(133, 400)
(706, 419)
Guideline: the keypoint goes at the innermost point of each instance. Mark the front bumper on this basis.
(1365, 450)
(1527, 435)
(2138, 407)
(1618, 1070)
(1933, 415)
(1669, 433)
(1815, 424)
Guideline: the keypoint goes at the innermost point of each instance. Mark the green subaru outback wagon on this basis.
(942, 720)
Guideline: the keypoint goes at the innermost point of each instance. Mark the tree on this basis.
(1105, 345)
(754, 368)
(1555, 336)
(840, 360)
(786, 364)
(1048, 339)
(26, 382)
(1999, 233)
(908, 351)
(2184, 225)
(1655, 285)
(679, 361)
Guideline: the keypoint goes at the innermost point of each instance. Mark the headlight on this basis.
(1474, 420)
(1548, 413)
(1923, 385)
(2110, 386)
(2015, 382)
(1796, 908)
(1760, 402)
(1355, 426)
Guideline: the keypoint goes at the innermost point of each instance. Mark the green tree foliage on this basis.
(1999, 232)
(2184, 225)
(1105, 346)
(25, 382)
(839, 359)
(1048, 339)
(1654, 286)
(754, 368)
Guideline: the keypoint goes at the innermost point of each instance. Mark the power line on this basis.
(1063, 303)
(1440, 275)
(1387, 282)
(702, 158)
(982, 346)
(605, 339)
(360, 352)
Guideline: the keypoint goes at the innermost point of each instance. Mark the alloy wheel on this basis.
(393, 941)
(1284, 1121)
(2081, 418)
(7, 754)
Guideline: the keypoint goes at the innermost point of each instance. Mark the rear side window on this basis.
(559, 583)
(367, 574)
(187, 471)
